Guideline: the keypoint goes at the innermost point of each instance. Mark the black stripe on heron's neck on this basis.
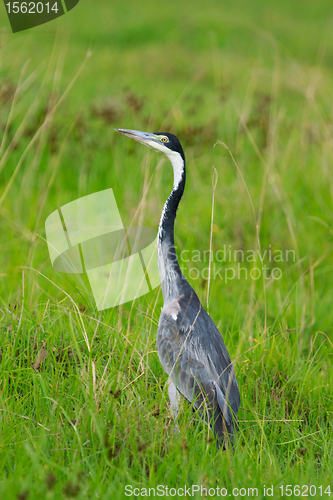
(167, 222)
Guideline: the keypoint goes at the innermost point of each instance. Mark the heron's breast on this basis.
(172, 308)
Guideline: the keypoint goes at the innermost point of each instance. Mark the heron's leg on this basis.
(174, 397)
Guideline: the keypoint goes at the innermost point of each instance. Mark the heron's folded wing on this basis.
(187, 371)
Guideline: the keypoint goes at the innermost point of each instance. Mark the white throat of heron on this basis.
(175, 158)
(178, 167)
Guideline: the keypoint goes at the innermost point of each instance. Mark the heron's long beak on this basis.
(143, 137)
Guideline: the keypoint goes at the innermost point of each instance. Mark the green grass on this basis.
(83, 407)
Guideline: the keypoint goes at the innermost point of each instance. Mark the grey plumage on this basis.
(193, 354)
(190, 347)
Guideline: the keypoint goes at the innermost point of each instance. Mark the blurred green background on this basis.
(256, 76)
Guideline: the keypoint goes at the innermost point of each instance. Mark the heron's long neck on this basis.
(171, 276)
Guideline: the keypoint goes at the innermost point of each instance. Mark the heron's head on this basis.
(163, 142)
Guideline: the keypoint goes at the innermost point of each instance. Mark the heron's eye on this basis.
(164, 139)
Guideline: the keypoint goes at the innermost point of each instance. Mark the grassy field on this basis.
(83, 407)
